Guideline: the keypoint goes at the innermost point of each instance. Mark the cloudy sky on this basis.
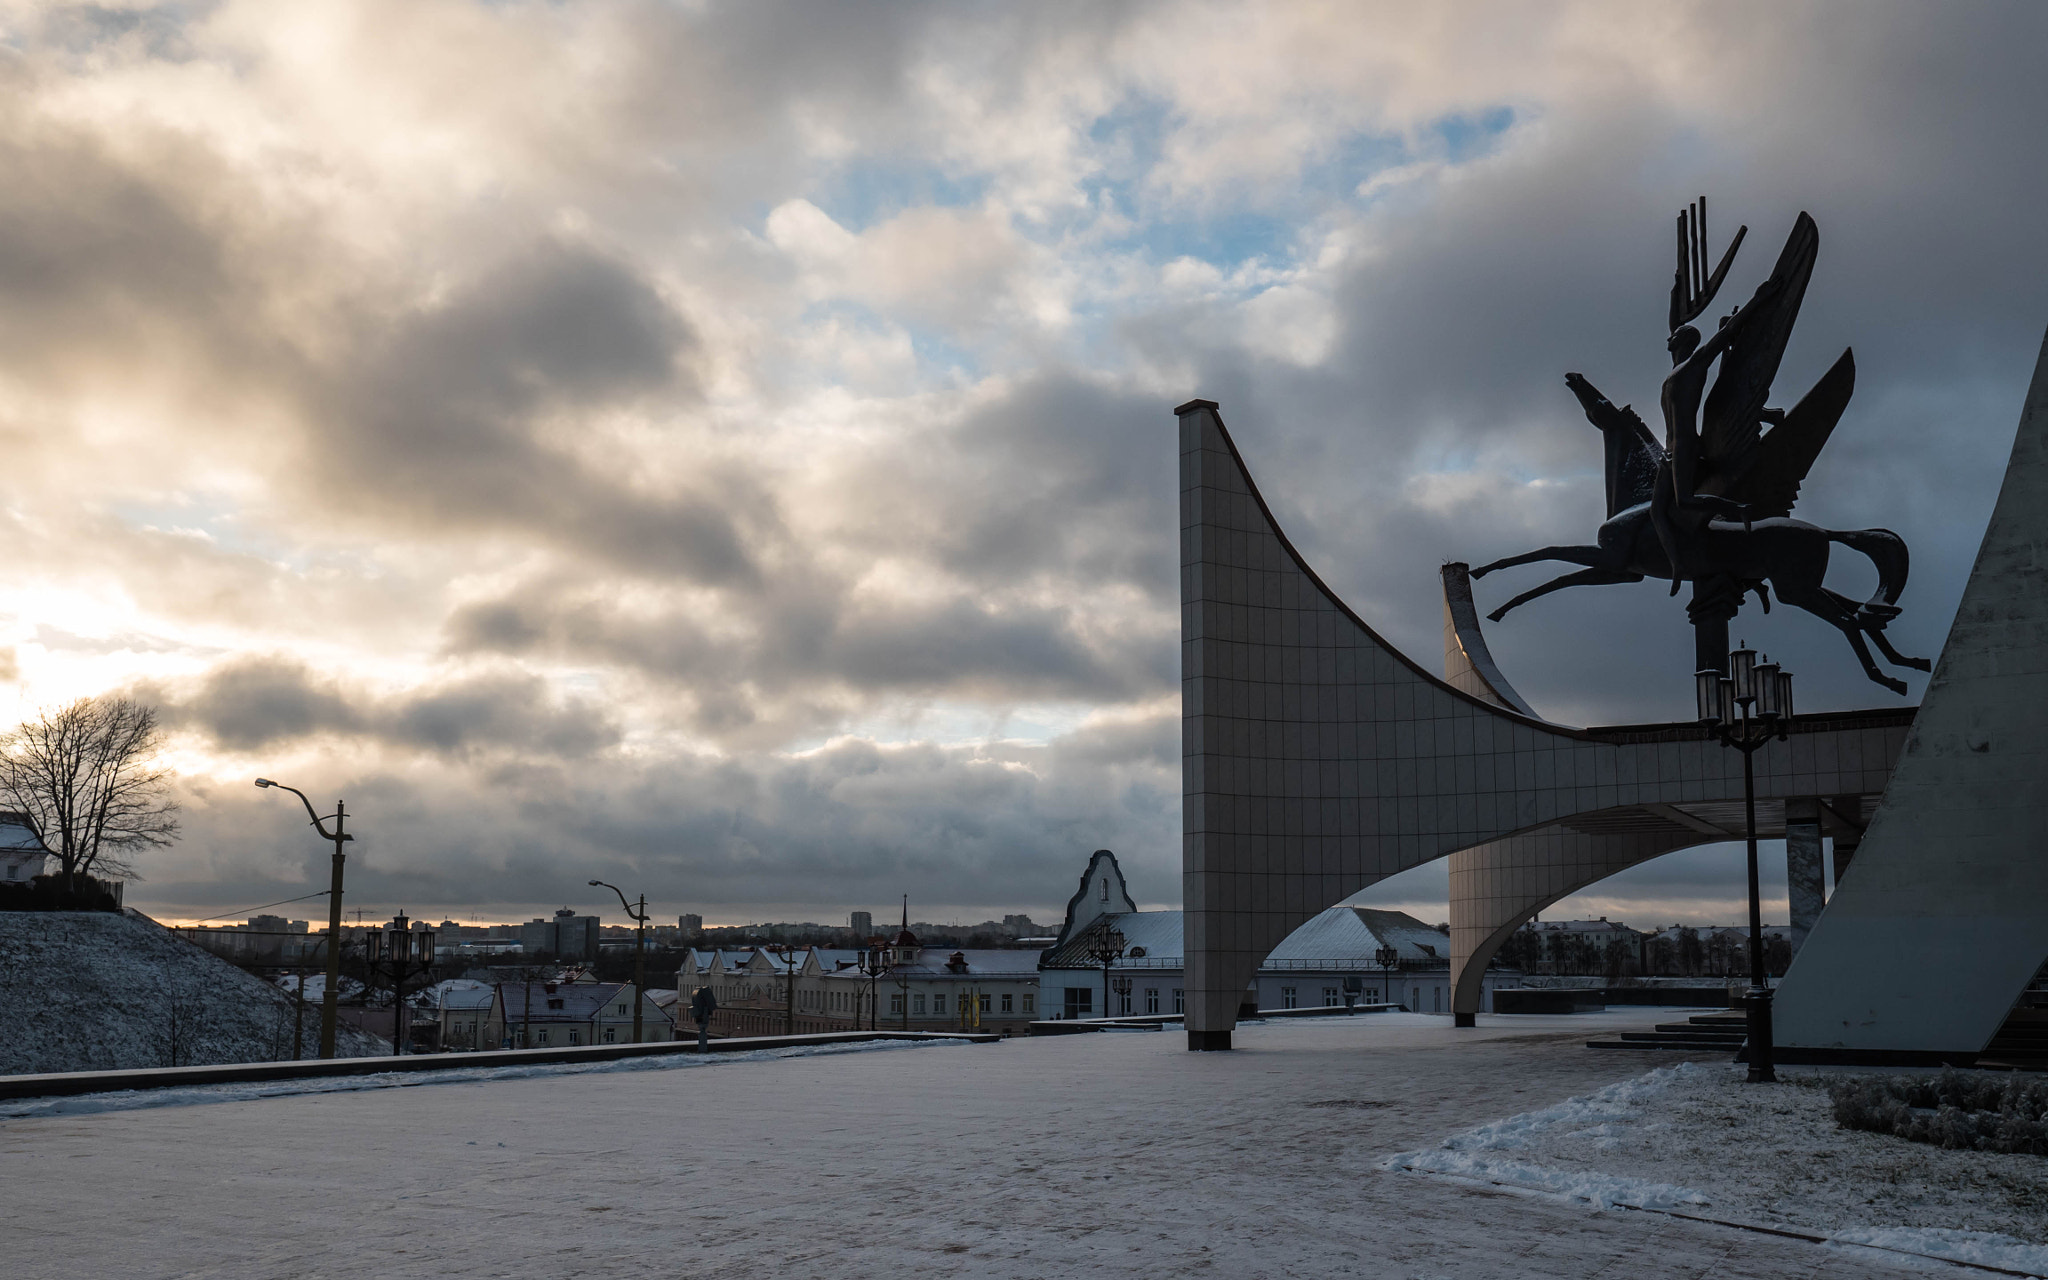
(725, 448)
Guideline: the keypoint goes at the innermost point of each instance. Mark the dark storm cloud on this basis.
(1062, 482)
(853, 824)
(444, 419)
(110, 247)
(261, 702)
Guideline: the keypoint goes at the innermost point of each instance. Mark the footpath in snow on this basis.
(1698, 1140)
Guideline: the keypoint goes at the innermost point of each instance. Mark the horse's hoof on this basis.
(1896, 686)
(1497, 614)
(1482, 571)
(1917, 664)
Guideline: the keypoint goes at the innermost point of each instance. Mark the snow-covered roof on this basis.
(581, 1001)
(18, 835)
(1340, 936)
(981, 963)
(458, 993)
(1580, 926)
(22, 852)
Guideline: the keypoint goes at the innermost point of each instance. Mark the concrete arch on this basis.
(1317, 759)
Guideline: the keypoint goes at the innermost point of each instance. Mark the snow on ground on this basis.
(1095, 1155)
(1696, 1138)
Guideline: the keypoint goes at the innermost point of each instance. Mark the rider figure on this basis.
(1679, 512)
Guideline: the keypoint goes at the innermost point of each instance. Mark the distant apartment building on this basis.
(567, 935)
(863, 923)
(690, 923)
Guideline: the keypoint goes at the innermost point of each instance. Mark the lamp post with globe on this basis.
(1747, 708)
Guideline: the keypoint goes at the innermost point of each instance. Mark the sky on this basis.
(726, 449)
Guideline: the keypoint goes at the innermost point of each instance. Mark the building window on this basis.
(939, 1002)
(1179, 1001)
(1330, 999)
(917, 1003)
(554, 1004)
(1006, 1002)
(575, 1037)
(611, 1035)
(1151, 999)
(1105, 888)
(1288, 1000)
(622, 1008)
(1080, 1002)
(896, 1003)
(985, 1000)
(1030, 1001)
(542, 1038)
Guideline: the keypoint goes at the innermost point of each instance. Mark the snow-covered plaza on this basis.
(1109, 1154)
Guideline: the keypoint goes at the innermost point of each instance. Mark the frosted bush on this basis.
(1956, 1110)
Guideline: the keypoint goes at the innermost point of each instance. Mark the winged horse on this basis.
(1713, 503)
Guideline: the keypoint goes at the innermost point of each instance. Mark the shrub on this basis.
(1956, 1110)
(46, 893)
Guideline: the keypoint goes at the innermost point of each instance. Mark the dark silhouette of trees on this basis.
(86, 776)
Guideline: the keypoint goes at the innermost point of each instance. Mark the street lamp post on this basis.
(1106, 949)
(408, 950)
(788, 953)
(873, 964)
(639, 951)
(1387, 957)
(1746, 708)
(340, 837)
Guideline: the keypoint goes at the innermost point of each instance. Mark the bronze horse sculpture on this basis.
(1712, 505)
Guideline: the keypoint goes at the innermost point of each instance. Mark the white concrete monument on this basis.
(1928, 944)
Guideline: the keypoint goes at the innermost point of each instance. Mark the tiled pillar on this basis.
(1805, 876)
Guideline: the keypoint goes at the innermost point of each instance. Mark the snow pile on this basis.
(1599, 1117)
(1696, 1139)
(96, 991)
(193, 1095)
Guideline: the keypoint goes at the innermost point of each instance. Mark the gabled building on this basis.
(1334, 951)
(462, 1009)
(555, 1015)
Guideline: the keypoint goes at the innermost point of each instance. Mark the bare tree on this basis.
(86, 776)
(175, 1031)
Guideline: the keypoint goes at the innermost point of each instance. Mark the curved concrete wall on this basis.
(1318, 760)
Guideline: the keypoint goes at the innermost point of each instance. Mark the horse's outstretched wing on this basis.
(1632, 451)
(1771, 485)
(1729, 436)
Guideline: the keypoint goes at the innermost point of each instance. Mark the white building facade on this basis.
(1334, 953)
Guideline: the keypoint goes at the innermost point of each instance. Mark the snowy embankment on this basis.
(1697, 1140)
(96, 991)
